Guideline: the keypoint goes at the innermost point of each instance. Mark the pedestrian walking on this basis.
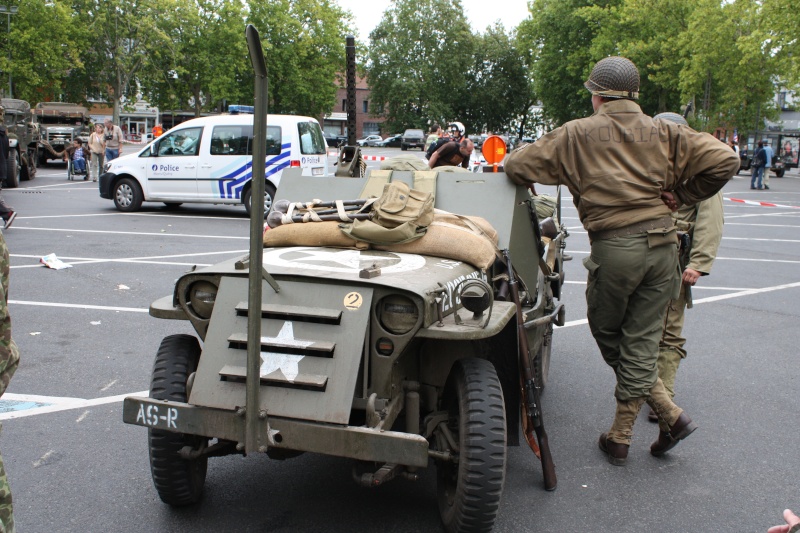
(757, 166)
(626, 172)
(702, 225)
(6, 213)
(97, 147)
(113, 138)
(769, 155)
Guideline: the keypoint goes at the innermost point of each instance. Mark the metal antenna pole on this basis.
(253, 381)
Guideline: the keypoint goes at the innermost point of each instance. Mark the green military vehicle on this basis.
(365, 354)
(23, 138)
(393, 358)
(59, 124)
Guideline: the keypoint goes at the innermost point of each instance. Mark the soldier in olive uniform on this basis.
(703, 224)
(626, 172)
(9, 360)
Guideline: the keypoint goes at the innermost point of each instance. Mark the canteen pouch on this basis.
(399, 204)
(400, 215)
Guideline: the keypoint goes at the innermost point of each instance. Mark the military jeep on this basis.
(23, 138)
(398, 361)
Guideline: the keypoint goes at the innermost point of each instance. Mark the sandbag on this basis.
(404, 162)
(449, 237)
(311, 234)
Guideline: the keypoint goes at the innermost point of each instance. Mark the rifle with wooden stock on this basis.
(532, 413)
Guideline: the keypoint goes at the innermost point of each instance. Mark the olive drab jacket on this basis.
(617, 162)
(704, 223)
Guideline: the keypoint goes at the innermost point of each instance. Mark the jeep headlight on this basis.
(202, 295)
(398, 314)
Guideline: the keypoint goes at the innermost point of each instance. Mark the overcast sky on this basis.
(480, 13)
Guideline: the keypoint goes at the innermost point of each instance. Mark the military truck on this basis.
(392, 359)
(59, 124)
(23, 139)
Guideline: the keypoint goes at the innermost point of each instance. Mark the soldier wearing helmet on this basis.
(6, 213)
(453, 133)
(626, 173)
(702, 225)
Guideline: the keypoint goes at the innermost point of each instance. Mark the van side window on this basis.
(238, 140)
(311, 139)
(180, 143)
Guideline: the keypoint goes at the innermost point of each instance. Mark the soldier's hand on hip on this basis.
(669, 200)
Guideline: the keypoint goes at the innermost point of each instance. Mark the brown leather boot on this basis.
(616, 442)
(682, 428)
(661, 402)
(617, 453)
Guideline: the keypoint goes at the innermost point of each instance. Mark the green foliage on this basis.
(304, 46)
(205, 60)
(419, 59)
(500, 89)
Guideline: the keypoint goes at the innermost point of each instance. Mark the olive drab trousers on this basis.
(631, 279)
(670, 348)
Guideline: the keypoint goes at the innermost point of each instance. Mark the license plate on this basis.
(316, 171)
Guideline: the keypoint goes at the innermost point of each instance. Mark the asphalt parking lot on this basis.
(87, 341)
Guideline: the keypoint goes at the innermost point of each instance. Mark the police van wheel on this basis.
(269, 196)
(469, 490)
(12, 169)
(178, 481)
(127, 195)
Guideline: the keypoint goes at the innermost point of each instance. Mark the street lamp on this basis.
(9, 10)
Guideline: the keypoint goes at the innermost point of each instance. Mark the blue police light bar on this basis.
(241, 109)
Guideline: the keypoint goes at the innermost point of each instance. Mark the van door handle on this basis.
(191, 166)
(206, 166)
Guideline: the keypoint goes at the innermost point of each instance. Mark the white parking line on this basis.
(81, 306)
(149, 234)
(75, 403)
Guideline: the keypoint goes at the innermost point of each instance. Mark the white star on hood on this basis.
(283, 362)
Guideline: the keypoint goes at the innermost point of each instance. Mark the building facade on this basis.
(335, 122)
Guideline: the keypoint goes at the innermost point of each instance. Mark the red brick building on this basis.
(335, 122)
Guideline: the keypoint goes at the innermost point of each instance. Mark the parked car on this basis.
(413, 139)
(375, 142)
(391, 142)
(335, 141)
(365, 141)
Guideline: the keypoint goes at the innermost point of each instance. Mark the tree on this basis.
(559, 41)
(45, 46)
(205, 61)
(123, 35)
(499, 85)
(419, 58)
(304, 46)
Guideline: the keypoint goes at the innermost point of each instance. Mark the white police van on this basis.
(209, 160)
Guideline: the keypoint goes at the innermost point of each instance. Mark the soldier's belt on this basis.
(665, 223)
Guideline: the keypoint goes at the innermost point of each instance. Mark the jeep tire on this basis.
(178, 481)
(12, 169)
(469, 490)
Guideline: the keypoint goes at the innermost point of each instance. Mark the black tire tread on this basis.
(474, 385)
(178, 481)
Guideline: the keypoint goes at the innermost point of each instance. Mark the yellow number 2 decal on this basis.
(353, 301)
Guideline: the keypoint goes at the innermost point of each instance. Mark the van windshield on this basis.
(311, 139)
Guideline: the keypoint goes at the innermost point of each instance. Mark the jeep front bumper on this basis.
(360, 443)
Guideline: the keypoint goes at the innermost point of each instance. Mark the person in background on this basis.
(77, 155)
(453, 154)
(97, 147)
(702, 224)
(733, 146)
(757, 166)
(113, 136)
(7, 214)
(770, 155)
(433, 136)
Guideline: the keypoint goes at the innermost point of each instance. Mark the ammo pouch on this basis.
(400, 215)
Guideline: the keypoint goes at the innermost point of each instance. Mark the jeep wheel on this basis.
(469, 490)
(12, 169)
(269, 196)
(403, 147)
(178, 481)
(127, 195)
(780, 172)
